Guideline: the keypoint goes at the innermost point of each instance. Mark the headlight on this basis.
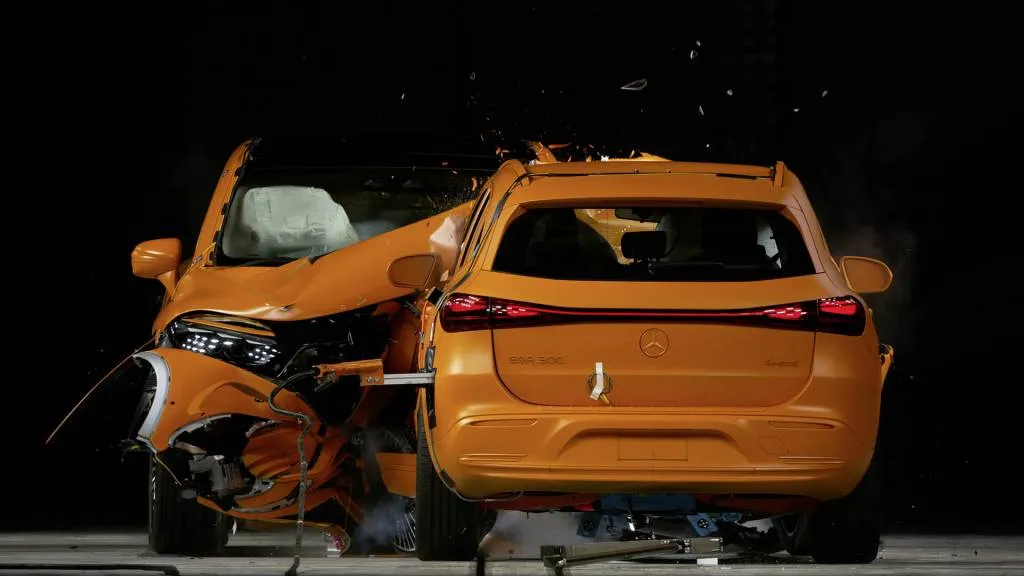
(241, 347)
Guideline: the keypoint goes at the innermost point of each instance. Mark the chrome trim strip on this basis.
(163, 389)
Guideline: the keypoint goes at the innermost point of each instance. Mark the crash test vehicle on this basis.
(674, 330)
(292, 273)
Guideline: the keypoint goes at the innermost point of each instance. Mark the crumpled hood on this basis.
(346, 279)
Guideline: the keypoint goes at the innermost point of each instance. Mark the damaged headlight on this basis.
(249, 348)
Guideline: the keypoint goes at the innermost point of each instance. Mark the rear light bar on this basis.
(464, 312)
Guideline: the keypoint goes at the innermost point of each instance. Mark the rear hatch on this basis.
(696, 306)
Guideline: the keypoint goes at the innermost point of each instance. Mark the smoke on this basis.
(384, 518)
(381, 523)
(896, 245)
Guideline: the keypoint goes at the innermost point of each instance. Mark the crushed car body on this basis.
(277, 343)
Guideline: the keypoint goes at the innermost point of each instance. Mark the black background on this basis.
(898, 117)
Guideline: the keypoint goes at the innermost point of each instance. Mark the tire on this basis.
(180, 526)
(793, 533)
(849, 530)
(843, 531)
(390, 525)
(447, 527)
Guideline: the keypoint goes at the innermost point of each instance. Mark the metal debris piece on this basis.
(636, 85)
(544, 154)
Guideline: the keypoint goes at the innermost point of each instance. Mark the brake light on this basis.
(841, 316)
(465, 312)
(462, 312)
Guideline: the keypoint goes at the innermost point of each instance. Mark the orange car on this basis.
(286, 347)
(716, 353)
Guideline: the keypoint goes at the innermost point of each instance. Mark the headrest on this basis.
(644, 245)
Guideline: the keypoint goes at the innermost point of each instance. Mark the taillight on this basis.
(464, 312)
(843, 315)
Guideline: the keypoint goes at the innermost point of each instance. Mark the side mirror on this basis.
(420, 271)
(865, 275)
(154, 259)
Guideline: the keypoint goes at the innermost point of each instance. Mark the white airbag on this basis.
(295, 220)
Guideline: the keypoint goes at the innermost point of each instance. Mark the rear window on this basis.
(683, 244)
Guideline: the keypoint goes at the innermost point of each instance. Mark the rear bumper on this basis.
(634, 452)
(816, 444)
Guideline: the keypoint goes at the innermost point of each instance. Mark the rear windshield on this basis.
(688, 244)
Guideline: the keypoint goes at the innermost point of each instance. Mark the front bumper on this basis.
(192, 389)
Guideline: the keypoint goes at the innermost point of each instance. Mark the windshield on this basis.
(280, 215)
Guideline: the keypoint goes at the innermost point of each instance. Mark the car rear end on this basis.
(658, 329)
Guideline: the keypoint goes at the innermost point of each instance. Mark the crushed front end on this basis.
(220, 396)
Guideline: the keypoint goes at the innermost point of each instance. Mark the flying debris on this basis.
(636, 85)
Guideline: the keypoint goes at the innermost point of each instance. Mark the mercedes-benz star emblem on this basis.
(653, 342)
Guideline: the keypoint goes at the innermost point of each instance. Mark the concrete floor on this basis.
(269, 553)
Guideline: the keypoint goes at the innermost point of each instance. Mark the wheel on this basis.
(843, 531)
(849, 530)
(793, 533)
(390, 522)
(447, 527)
(180, 526)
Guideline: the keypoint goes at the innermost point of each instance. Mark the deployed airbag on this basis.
(294, 221)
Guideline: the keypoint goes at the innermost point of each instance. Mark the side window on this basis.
(474, 227)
